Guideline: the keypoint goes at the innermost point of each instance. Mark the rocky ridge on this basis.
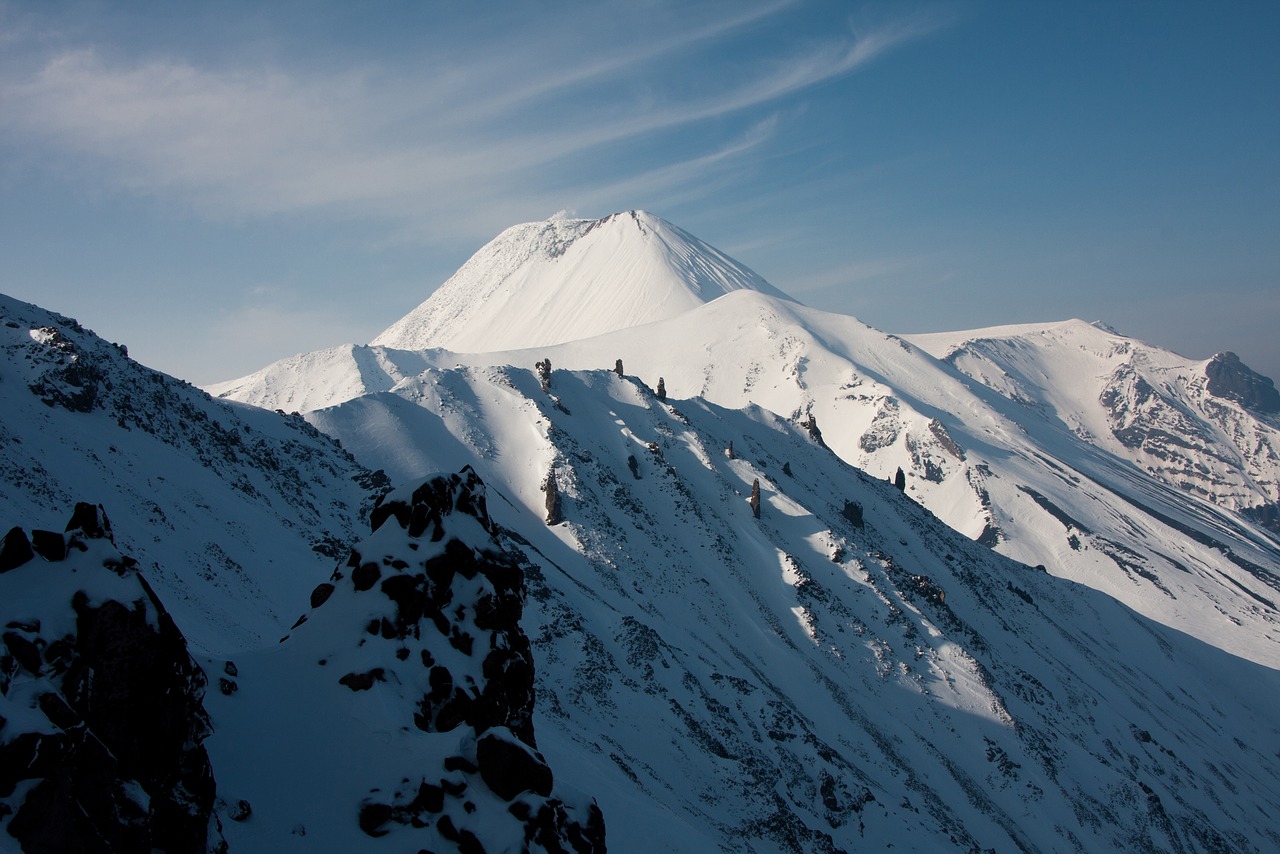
(418, 636)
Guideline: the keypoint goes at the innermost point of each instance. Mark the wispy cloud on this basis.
(388, 142)
(844, 275)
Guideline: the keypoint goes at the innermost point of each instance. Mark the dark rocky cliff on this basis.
(101, 706)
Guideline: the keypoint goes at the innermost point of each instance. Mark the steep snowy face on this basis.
(837, 671)
(225, 504)
(1207, 428)
(543, 283)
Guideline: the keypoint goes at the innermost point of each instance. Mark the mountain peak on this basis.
(562, 279)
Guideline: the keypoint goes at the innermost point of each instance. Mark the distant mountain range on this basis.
(665, 594)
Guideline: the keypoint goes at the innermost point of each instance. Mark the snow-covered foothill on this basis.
(992, 466)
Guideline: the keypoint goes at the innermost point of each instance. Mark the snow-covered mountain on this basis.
(1037, 483)
(547, 282)
(843, 671)
(829, 669)
(1209, 427)
(742, 636)
(229, 507)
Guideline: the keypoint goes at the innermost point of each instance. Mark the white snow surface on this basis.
(1137, 401)
(1011, 469)
(224, 505)
(793, 682)
(543, 283)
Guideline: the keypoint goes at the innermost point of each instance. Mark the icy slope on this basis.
(227, 504)
(546, 282)
(1207, 427)
(843, 671)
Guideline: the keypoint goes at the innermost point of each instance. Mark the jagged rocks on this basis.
(555, 511)
(108, 755)
(433, 609)
(50, 545)
(852, 511)
(810, 426)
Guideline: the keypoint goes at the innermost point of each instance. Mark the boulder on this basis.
(509, 767)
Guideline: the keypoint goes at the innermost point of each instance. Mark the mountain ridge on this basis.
(999, 467)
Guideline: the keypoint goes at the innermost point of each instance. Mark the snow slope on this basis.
(845, 671)
(546, 282)
(1208, 427)
(842, 672)
(406, 691)
(987, 464)
(226, 505)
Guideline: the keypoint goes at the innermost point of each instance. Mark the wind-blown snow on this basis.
(225, 504)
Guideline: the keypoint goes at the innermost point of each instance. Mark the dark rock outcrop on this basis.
(116, 763)
(509, 767)
(15, 550)
(431, 585)
(1231, 379)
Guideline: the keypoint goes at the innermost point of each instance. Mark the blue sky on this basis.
(221, 186)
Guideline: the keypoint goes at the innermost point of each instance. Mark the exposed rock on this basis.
(441, 594)
(16, 550)
(945, 439)
(321, 594)
(509, 767)
(810, 426)
(1231, 379)
(119, 765)
(50, 545)
(364, 576)
(555, 514)
(91, 520)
